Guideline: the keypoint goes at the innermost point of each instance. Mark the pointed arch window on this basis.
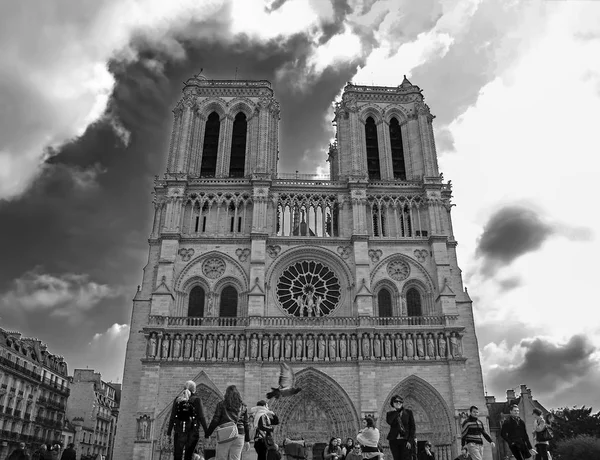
(238, 146)
(229, 302)
(196, 302)
(384, 302)
(398, 164)
(372, 149)
(413, 302)
(210, 148)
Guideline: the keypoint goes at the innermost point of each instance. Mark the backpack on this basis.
(185, 413)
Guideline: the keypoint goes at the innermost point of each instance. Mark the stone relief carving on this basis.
(375, 254)
(398, 270)
(186, 254)
(421, 255)
(344, 251)
(273, 251)
(242, 254)
(213, 267)
(144, 425)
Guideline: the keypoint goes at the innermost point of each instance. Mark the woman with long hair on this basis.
(368, 438)
(347, 447)
(231, 412)
(540, 427)
(332, 451)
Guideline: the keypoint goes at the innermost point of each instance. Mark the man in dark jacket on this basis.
(19, 453)
(69, 453)
(187, 434)
(514, 432)
(402, 429)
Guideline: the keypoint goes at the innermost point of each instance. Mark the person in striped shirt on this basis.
(473, 433)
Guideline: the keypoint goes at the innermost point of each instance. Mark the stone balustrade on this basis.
(429, 343)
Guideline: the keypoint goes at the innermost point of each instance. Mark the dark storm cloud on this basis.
(546, 366)
(509, 233)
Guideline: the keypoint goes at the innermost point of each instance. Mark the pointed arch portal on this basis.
(431, 412)
(321, 410)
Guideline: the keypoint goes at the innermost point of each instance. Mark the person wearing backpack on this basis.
(187, 415)
(264, 419)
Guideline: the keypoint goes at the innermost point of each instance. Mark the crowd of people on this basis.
(44, 452)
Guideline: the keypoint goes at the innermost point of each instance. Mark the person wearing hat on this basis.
(402, 429)
(264, 420)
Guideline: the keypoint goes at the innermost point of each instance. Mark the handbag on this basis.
(226, 432)
(544, 435)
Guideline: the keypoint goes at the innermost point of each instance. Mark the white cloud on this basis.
(106, 352)
(67, 295)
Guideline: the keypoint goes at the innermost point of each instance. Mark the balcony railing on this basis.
(22, 369)
(304, 339)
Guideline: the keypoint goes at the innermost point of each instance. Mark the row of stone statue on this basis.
(301, 347)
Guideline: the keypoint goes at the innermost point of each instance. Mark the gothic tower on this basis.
(352, 280)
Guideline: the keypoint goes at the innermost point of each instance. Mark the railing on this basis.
(302, 321)
(303, 176)
(22, 369)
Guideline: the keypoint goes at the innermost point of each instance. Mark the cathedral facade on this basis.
(351, 279)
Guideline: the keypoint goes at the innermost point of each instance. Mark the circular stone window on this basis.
(308, 288)
(398, 270)
(213, 268)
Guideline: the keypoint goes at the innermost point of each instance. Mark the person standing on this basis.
(540, 428)
(187, 415)
(368, 438)
(473, 433)
(264, 421)
(231, 409)
(514, 433)
(69, 453)
(402, 429)
(19, 453)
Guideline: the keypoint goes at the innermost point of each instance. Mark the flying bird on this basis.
(286, 383)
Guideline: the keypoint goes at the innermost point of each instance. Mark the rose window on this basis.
(213, 267)
(308, 288)
(398, 270)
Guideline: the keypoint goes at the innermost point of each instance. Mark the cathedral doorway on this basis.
(320, 411)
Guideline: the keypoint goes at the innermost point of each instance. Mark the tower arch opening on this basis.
(237, 159)
(372, 147)
(210, 147)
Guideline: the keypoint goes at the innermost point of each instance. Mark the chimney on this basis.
(490, 399)
(510, 395)
(523, 390)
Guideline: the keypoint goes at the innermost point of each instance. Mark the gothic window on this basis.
(229, 303)
(405, 222)
(413, 302)
(378, 221)
(384, 302)
(238, 146)
(372, 149)
(196, 302)
(211, 146)
(397, 150)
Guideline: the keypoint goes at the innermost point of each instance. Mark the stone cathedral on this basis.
(352, 279)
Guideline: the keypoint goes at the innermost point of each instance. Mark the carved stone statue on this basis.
(242, 348)
(399, 347)
(387, 346)
(377, 346)
(310, 347)
(231, 348)
(332, 347)
(288, 347)
(420, 346)
(454, 346)
(177, 346)
(198, 347)
(265, 347)
(317, 306)
(210, 347)
(366, 347)
(165, 346)
(410, 347)
(442, 345)
(276, 347)
(299, 347)
(353, 347)
(343, 349)
(187, 346)
(151, 349)
(321, 347)
(220, 347)
(144, 429)
(430, 347)
(253, 346)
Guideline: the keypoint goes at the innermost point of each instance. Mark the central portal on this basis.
(308, 421)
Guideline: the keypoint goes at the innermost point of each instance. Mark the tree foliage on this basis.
(582, 447)
(572, 422)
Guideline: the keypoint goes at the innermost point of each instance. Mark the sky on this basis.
(86, 93)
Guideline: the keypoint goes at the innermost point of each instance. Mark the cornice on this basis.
(307, 240)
